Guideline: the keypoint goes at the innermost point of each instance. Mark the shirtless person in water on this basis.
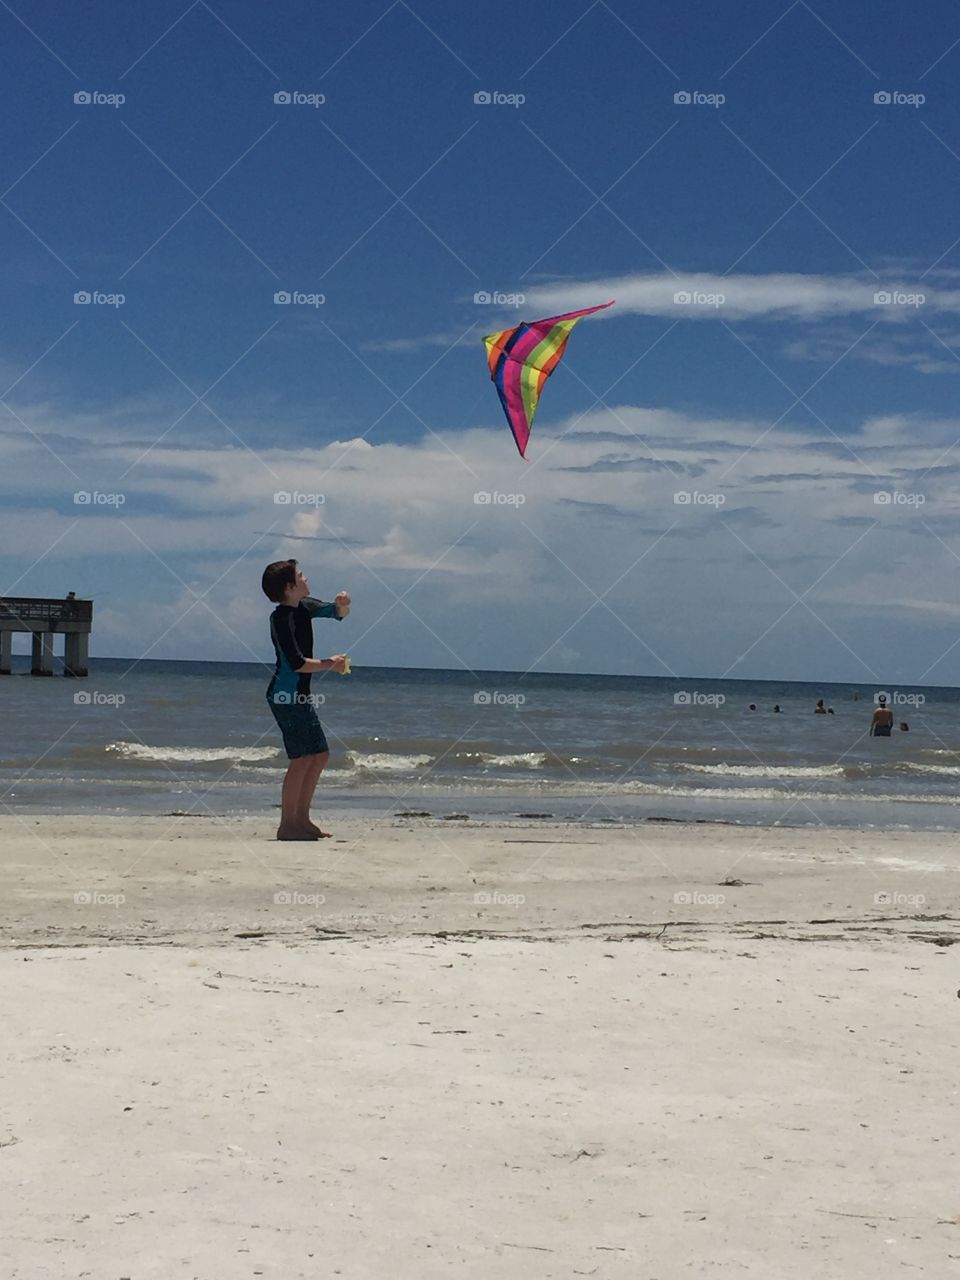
(882, 722)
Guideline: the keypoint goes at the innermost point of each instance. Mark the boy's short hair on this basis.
(277, 577)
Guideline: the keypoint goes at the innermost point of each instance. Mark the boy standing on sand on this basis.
(288, 693)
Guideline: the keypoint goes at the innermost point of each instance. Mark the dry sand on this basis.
(435, 1048)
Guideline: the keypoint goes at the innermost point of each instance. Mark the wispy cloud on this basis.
(418, 342)
(777, 296)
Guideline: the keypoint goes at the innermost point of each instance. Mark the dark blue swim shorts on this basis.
(301, 728)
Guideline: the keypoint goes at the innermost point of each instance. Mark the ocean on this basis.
(157, 737)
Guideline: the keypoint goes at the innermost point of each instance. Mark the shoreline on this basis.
(194, 880)
(788, 811)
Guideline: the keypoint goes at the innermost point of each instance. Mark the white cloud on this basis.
(776, 296)
(592, 512)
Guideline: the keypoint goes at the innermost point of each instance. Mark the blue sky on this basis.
(798, 398)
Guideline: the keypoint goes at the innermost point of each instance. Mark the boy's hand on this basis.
(337, 662)
(342, 601)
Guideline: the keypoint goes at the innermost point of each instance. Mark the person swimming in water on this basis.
(820, 709)
(882, 722)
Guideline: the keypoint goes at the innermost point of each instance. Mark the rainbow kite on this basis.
(522, 359)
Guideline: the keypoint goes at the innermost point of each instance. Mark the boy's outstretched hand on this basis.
(342, 601)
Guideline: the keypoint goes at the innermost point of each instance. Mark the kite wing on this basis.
(522, 359)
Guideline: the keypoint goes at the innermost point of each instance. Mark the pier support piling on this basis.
(41, 663)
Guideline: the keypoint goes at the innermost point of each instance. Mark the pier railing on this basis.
(20, 609)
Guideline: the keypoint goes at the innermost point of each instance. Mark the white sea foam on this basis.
(190, 755)
(771, 793)
(767, 770)
(526, 759)
(386, 762)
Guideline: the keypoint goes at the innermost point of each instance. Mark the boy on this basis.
(289, 691)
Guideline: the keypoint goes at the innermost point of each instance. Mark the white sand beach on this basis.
(436, 1048)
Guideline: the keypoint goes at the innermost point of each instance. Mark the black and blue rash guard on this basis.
(291, 631)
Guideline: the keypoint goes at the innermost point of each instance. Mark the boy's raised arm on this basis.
(320, 609)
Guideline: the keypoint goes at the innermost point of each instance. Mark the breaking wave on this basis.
(190, 755)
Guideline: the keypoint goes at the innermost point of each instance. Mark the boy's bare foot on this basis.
(321, 835)
(295, 833)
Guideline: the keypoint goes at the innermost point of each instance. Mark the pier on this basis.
(44, 619)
